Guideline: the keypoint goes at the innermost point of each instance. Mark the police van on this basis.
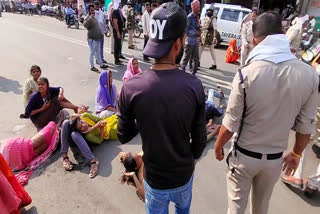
(229, 18)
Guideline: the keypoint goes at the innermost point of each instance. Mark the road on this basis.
(63, 56)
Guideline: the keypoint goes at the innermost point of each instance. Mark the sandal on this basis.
(308, 192)
(68, 166)
(93, 171)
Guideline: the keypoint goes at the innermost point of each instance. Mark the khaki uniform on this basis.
(130, 25)
(207, 36)
(247, 41)
(278, 97)
(294, 35)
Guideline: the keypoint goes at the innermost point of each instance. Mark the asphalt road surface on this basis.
(63, 55)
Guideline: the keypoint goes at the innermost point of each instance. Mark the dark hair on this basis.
(90, 5)
(97, 3)
(73, 124)
(44, 79)
(147, 4)
(266, 24)
(154, 4)
(33, 67)
(254, 11)
(130, 163)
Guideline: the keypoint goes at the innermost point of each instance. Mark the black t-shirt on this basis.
(116, 15)
(167, 107)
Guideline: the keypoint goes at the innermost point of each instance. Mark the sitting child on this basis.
(31, 84)
(133, 175)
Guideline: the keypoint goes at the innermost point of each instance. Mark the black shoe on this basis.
(316, 150)
(122, 57)
(131, 47)
(104, 67)
(146, 59)
(104, 61)
(94, 69)
(213, 67)
(194, 73)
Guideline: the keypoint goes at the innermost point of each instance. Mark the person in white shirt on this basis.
(247, 37)
(146, 26)
(110, 10)
(101, 19)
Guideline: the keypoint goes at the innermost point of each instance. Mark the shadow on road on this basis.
(31, 210)
(314, 201)
(8, 85)
(105, 153)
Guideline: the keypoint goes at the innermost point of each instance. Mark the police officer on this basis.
(266, 101)
(208, 34)
(247, 36)
(130, 24)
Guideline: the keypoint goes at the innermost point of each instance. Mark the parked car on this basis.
(229, 18)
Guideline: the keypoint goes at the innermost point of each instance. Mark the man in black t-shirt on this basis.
(117, 24)
(167, 107)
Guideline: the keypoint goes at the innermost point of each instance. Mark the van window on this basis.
(216, 11)
(230, 15)
(244, 14)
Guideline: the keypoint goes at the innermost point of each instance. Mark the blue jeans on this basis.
(95, 51)
(211, 110)
(157, 201)
(67, 136)
(68, 17)
(214, 93)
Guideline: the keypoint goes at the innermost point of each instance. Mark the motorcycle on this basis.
(311, 53)
(74, 21)
(138, 28)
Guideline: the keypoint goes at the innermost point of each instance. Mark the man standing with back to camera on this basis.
(273, 93)
(167, 107)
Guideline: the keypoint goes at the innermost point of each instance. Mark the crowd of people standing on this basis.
(173, 138)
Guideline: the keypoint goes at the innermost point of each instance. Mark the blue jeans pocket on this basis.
(155, 206)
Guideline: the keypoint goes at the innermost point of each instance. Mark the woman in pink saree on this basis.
(28, 154)
(132, 69)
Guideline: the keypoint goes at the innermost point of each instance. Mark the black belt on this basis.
(258, 155)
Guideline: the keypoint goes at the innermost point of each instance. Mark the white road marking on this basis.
(225, 84)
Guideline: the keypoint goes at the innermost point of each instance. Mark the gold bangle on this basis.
(295, 154)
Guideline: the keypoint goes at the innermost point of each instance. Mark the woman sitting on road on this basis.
(232, 54)
(23, 153)
(132, 69)
(46, 105)
(31, 84)
(106, 98)
(134, 171)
